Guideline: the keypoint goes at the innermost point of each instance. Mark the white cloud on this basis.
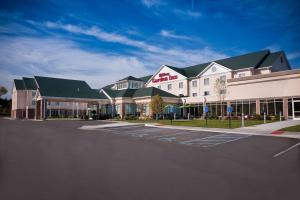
(62, 57)
(24, 56)
(102, 35)
(187, 13)
(171, 34)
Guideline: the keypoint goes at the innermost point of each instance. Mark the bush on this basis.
(213, 117)
(257, 117)
(130, 117)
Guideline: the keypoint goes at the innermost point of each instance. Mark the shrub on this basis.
(257, 117)
(130, 117)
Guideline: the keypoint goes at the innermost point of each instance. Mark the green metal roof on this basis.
(152, 91)
(271, 59)
(66, 88)
(29, 83)
(244, 61)
(145, 78)
(142, 92)
(130, 78)
(255, 60)
(19, 84)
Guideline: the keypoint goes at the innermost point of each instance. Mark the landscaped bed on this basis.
(292, 128)
(211, 123)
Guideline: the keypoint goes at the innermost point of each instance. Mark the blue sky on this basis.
(102, 41)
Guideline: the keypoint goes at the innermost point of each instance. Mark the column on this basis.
(122, 113)
(285, 108)
(257, 103)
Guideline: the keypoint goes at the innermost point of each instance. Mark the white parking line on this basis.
(214, 140)
(284, 151)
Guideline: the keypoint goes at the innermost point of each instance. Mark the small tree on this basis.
(3, 91)
(156, 105)
(221, 91)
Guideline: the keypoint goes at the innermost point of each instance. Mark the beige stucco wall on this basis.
(18, 99)
(247, 72)
(268, 87)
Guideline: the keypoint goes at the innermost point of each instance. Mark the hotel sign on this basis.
(164, 77)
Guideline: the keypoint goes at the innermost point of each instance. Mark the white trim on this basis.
(293, 109)
(208, 66)
(67, 98)
(160, 70)
(102, 90)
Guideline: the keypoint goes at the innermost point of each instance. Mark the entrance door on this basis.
(296, 109)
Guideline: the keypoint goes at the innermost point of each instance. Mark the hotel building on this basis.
(252, 84)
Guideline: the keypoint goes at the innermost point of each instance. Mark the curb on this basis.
(222, 131)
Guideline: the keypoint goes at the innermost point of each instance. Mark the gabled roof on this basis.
(19, 84)
(134, 93)
(244, 61)
(25, 84)
(66, 88)
(131, 78)
(29, 83)
(151, 91)
(145, 78)
(269, 61)
(255, 60)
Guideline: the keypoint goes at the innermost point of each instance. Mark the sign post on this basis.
(206, 111)
(229, 110)
(171, 111)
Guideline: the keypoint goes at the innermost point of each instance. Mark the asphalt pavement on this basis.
(47, 160)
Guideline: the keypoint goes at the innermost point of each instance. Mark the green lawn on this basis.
(292, 128)
(202, 123)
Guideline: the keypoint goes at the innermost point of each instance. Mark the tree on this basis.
(157, 105)
(3, 91)
(221, 91)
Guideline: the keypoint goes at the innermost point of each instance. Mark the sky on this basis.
(103, 41)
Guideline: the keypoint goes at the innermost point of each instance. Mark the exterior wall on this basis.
(275, 85)
(263, 71)
(175, 83)
(245, 72)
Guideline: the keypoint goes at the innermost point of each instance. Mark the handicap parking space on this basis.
(182, 137)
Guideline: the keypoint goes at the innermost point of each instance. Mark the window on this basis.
(159, 87)
(281, 59)
(169, 86)
(223, 91)
(180, 85)
(223, 78)
(206, 81)
(206, 93)
(194, 94)
(194, 83)
(241, 75)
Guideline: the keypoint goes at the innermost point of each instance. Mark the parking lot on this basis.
(56, 160)
(184, 137)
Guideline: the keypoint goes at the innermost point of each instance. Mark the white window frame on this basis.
(194, 83)
(180, 85)
(206, 81)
